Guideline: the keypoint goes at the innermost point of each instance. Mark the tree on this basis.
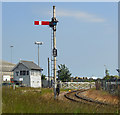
(63, 73)
(111, 77)
(107, 76)
(43, 77)
(106, 72)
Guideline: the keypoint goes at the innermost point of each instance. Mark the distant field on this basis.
(30, 100)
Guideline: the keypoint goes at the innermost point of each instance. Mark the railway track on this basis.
(75, 96)
(72, 96)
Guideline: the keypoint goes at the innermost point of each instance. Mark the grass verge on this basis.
(30, 100)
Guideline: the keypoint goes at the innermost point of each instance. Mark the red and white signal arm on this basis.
(41, 22)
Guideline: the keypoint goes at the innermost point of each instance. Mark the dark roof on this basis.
(29, 64)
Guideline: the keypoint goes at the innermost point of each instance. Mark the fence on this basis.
(77, 85)
(112, 87)
(69, 85)
(46, 83)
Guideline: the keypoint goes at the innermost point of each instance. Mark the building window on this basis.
(27, 72)
(24, 72)
(17, 73)
(21, 72)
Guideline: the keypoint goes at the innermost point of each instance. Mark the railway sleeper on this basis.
(66, 95)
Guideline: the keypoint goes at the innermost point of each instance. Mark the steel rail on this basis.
(84, 100)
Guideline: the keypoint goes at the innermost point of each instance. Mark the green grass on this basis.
(31, 101)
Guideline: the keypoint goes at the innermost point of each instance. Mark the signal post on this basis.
(52, 24)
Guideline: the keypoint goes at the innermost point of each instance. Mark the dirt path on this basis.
(61, 95)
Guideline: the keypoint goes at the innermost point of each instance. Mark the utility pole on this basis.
(38, 43)
(11, 61)
(11, 53)
(38, 56)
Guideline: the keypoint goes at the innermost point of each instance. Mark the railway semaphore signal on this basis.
(41, 22)
(52, 24)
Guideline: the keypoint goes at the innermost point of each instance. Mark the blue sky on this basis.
(87, 35)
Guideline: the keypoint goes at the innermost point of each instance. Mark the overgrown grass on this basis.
(102, 92)
(28, 100)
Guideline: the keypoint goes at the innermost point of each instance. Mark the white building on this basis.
(28, 72)
(5, 70)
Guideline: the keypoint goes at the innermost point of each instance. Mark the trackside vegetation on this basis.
(30, 100)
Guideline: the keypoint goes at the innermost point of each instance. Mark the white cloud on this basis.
(80, 15)
(94, 77)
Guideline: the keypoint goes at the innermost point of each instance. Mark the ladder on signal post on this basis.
(52, 59)
(52, 24)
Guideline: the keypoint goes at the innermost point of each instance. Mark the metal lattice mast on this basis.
(54, 50)
(52, 58)
(52, 24)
